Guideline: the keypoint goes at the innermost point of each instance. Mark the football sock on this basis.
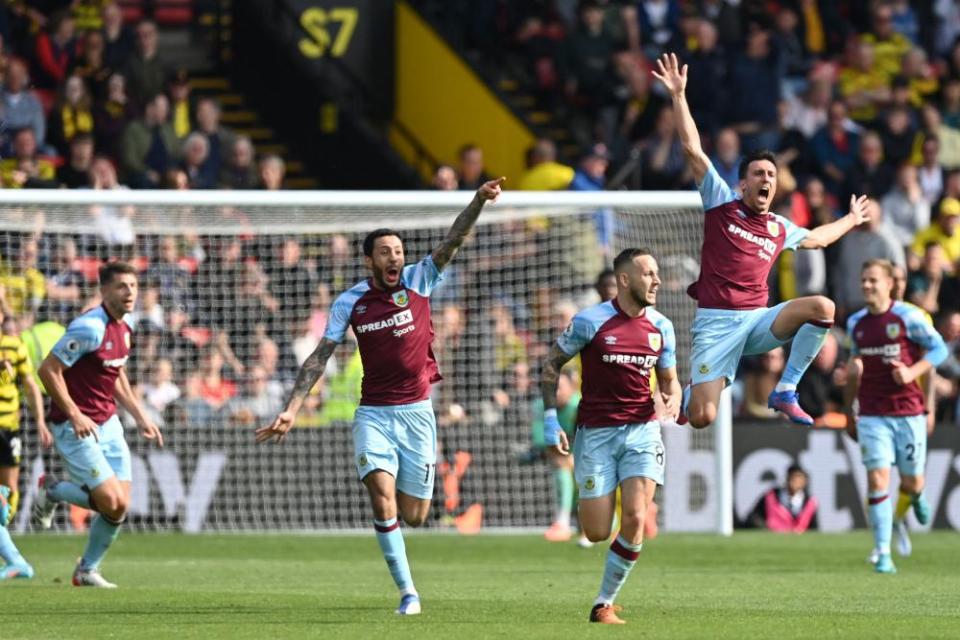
(14, 502)
(904, 501)
(620, 560)
(881, 519)
(66, 491)
(103, 532)
(563, 485)
(394, 550)
(8, 550)
(806, 345)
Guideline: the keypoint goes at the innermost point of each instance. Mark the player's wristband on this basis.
(551, 427)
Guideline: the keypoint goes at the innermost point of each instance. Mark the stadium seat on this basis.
(173, 12)
(89, 266)
(132, 10)
(199, 336)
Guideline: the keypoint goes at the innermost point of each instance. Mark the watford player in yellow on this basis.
(15, 369)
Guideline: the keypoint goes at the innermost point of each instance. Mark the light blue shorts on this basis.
(889, 440)
(722, 336)
(401, 440)
(603, 457)
(91, 462)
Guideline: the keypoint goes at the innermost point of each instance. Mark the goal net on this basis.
(235, 290)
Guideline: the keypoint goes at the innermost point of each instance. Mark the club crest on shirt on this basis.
(610, 339)
(893, 330)
(773, 228)
(590, 483)
(655, 341)
(362, 460)
(400, 298)
(704, 368)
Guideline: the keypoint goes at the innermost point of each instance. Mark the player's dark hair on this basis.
(626, 257)
(759, 154)
(603, 275)
(371, 239)
(113, 269)
(795, 468)
(883, 263)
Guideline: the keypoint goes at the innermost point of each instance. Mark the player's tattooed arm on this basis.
(444, 252)
(551, 374)
(310, 371)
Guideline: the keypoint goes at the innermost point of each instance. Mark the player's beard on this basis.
(641, 300)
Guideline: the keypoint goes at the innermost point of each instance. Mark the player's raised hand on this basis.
(902, 374)
(151, 431)
(85, 427)
(491, 190)
(858, 209)
(277, 429)
(671, 74)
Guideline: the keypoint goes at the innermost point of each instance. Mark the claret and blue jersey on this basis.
(618, 354)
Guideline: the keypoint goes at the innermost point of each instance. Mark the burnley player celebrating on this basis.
(618, 441)
(742, 240)
(85, 376)
(394, 430)
(891, 346)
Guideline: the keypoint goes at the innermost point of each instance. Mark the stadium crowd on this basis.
(855, 97)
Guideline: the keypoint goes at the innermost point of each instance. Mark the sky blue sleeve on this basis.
(851, 343)
(423, 276)
(714, 191)
(794, 234)
(921, 332)
(339, 318)
(577, 335)
(668, 356)
(83, 336)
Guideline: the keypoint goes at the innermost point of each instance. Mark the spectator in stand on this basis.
(444, 178)
(149, 146)
(789, 40)
(22, 286)
(931, 173)
(21, 107)
(835, 148)
(923, 284)
(173, 280)
(196, 151)
(149, 314)
(239, 171)
(65, 284)
(640, 106)
(217, 282)
(948, 373)
(119, 40)
(870, 174)
(27, 168)
(664, 164)
(257, 403)
(71, 115)
(904, 206)
(889, 46)
(92, 65)
(160, 391)
(948, 138)
(945, 232)
(898, 133)
(110, 117)
(707, 78)
(922, 78)
(271, 171)
(55, 52)
(472, 173)
(863, 85)
(587, 69)
(113, 223)
(592, 176)
(873, 239)
(659, 24)
(787, 509)
(755, 79)
(726, 159)
(219, 138)
(75, 172)
(950, 107)
(544, 172)
(293, 282)
(144, 71)
(213, 387)
(181, 108)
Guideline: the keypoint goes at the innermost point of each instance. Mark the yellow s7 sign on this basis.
(330, 31)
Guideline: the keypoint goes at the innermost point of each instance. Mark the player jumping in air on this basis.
(618, 440)
(891, 346)
(742, 240)
(14, 364)
(85, 377)
(394, 430)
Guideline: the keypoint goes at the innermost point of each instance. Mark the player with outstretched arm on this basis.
(394, 428)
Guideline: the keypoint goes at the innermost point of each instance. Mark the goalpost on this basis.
(240, 282)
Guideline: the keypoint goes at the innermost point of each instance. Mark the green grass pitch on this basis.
(754, 585)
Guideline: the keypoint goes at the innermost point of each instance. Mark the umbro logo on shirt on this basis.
(611, 339)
